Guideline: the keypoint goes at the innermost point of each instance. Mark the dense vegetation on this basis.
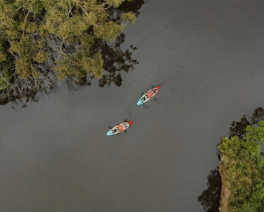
(243, 169)
(45, 40)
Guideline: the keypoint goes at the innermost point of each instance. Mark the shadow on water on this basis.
(115, 61)
(238, 128)
(210, 197)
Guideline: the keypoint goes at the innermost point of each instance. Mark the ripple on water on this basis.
(209, 30)
(196, 34)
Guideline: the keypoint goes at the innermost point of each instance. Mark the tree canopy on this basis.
(244, 169)
(46, 40)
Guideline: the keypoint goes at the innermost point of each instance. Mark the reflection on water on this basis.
(107, 79)
(24, 90)
(115, 59)
(132, 6)
(210, 198)
(238, 128)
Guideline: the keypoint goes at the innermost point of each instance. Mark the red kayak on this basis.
(119, 128)
(147, 96)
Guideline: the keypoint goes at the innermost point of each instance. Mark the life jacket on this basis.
(120, 128)
(149, 94)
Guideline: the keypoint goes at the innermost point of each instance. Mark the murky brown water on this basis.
(54, 155)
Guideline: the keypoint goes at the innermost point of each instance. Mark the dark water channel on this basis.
(208, 57)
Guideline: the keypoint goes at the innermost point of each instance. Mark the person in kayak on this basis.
(114, 130)
(144, 98)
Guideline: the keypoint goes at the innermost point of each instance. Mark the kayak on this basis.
(119, 128)
(147, 96)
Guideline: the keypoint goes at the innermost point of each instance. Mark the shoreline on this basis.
(225, 191)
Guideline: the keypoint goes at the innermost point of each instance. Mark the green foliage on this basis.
(107, 31)
(4, 78)
(255, 134)
(247, 207)
(130, 17)
(114, 3)
(41, 33)
(40, 57)
(244, 169)
(261, 207)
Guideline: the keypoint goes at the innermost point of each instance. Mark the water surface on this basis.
(208, 57)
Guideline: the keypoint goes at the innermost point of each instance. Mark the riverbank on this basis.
(241, 168)
(225, 191)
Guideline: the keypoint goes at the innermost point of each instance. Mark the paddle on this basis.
(143, 103)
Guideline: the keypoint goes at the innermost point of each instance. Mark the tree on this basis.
(43, 39)
(243, 170)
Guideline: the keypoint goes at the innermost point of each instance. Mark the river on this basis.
(207, 56)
